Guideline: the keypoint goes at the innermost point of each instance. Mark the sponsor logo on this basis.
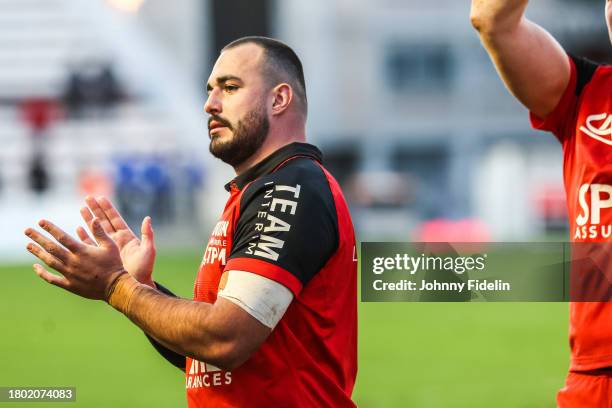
(272, 218)
(216, 249)
(202, 374)
(593, 199)
(599, 127)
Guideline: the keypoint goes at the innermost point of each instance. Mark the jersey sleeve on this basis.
(287, 227)
(560, 120)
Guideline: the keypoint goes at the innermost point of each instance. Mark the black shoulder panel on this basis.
(288, 218)
(585, 69)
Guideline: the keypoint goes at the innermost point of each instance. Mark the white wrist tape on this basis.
(263, 298)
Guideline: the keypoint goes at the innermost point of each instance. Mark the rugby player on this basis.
(273, 321)
(572, 98)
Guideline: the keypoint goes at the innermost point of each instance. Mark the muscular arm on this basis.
(532, 64)
(172, 357)
(221, 334)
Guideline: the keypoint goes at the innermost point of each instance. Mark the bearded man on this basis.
(273, 321)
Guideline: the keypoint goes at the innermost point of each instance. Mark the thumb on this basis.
(99, 234)
(147, 232)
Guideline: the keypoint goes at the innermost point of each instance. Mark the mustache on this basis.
(219, 119)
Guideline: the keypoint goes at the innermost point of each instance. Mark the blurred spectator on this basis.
(145, 186)
(38, 175)
(94, 87)
(157, 179)
(194, 179)
(39, 114)
(132, 198)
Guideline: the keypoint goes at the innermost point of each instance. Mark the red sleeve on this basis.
(557, 121)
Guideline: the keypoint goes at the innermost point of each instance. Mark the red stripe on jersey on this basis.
(268, 270)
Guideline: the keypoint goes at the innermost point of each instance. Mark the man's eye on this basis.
(230, 88)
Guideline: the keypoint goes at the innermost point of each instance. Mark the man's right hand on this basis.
(137, 255)
(532, 64)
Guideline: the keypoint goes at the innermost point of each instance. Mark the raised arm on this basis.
(532, 64)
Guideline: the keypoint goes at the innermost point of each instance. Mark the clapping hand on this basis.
(86, 270)
(137, 255)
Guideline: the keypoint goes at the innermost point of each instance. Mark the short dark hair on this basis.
(280, 58)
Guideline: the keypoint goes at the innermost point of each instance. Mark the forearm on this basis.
(491, 17)
(170, 356)
(178, 324)
(509, 38)
(529, 60)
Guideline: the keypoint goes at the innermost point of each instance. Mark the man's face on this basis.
(238, 123)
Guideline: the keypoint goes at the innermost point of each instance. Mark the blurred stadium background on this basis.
(106, 96)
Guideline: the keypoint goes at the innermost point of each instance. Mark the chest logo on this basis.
(216, 250)
(599, 126)
(593, 199)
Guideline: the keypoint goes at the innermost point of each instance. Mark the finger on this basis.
(146, 231)
(50, 278)
(94, 206)
(81, 232)
(50, 247)
(112, 214)
(84, 236)
(99, 234)
(86, 215)
(47, 258)
(61, 236)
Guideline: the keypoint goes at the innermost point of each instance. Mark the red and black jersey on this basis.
(582, 121)
(286, 219)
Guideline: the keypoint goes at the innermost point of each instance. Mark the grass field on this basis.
(410, 355)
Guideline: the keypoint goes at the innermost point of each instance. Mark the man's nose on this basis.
(213, 104)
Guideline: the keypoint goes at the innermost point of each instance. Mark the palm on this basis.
(137, 259)
(137, 255)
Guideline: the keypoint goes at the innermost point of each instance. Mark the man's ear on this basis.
(282, 95)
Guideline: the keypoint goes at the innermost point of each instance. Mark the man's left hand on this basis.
(86, 270)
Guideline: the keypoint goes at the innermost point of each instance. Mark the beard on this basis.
(248, 135)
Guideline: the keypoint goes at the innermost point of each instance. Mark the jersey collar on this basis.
(270, 163)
